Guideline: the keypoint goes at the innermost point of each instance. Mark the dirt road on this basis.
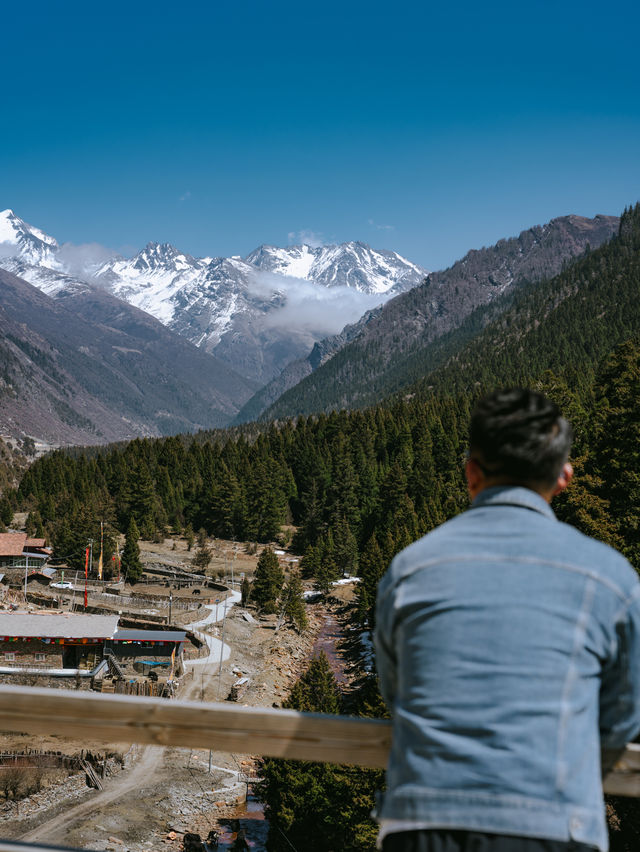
(55, 830)
(170, 791)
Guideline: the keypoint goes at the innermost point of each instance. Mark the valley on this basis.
(161, 794)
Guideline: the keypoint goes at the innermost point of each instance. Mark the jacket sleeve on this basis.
(620, 686)
(383, 640)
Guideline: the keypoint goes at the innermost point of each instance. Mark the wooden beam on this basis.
(225, 727)
(624, 779)
(221, 727)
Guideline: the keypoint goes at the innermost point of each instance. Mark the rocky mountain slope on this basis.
(85, 367)
(257, 314)
(375, 357)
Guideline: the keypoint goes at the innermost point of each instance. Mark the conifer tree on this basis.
(617, 446)
(245, 591)
(372, 567)
(6, 511)
(267, 581)
(294, 606)
(345, 550)
(202, 557)
(131, 565)
(327, 571)
(318, 806)
(310, 563)
(189, 536)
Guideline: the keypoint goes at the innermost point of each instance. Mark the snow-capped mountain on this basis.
(152, 279)
(353, 264)
(30, 244)
(256, 313)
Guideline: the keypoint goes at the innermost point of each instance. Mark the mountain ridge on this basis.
(219, 303)
(355, 374)
(85, 367)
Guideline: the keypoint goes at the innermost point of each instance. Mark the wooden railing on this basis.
(222, 727)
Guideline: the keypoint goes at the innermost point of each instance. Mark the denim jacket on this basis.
(508, 650)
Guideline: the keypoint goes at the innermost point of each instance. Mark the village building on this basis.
(64, 643)
(42, 576)
(17, 550)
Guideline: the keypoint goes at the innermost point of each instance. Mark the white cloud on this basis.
(185, 196)
(310, 307)
(306, 237)
(8, 249)
(379, 227)
(83, 260)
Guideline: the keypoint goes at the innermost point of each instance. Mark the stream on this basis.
(327, 641)
(248, 823)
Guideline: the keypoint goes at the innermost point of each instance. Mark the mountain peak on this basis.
(32, 244)
(155, 255)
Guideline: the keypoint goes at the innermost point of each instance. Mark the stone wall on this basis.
(27, 653)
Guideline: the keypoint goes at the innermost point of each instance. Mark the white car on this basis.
(62, 585)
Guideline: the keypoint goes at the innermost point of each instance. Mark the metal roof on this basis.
(62, 626)
(127, 635)
(12, 544)
(48, 572)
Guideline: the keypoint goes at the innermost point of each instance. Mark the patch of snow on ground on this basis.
(311, 595)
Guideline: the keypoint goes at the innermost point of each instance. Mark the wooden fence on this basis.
(224, 727)
(229, 728)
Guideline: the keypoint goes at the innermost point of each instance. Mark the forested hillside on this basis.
(360, 485)
(390, 348)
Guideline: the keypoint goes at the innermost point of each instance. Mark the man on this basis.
(508, 649)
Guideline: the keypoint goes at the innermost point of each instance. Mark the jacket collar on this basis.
(513, 495)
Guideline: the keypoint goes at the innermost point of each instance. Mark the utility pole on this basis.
(224, 621)
(170, 605)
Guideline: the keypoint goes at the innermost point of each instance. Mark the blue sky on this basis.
(218, 127)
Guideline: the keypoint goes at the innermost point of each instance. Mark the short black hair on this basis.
(520, 434)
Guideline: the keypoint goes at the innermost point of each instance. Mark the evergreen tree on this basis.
(372, 567)
(6, 511)
(189, 536)
(267, 581)
(33, 525)
(294, 606)
(142, 498)
(617, 446)
(131, 565)
(202, 557)
(245, 591)
(327, 571)
(345, 550)
(318, 806)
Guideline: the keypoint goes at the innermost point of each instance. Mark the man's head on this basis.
(518, 437)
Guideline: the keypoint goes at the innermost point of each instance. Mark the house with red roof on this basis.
(17, 550)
